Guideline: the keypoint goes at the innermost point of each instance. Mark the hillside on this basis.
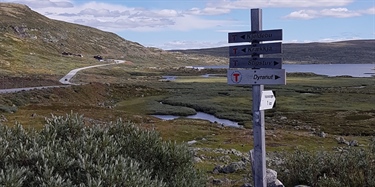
(31, 43)
(343, 52)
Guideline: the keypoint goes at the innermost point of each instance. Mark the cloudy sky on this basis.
(182, 24)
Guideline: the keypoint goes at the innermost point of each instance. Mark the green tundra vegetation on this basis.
(307, 106)
(91, 146)
(66, 152)
(342, 167)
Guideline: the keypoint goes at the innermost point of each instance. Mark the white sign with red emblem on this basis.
(256, 76)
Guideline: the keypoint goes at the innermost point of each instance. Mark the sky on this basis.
(187, 24)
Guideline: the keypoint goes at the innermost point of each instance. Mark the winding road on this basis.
(65, 80)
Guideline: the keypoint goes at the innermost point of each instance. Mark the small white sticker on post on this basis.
(267, 100)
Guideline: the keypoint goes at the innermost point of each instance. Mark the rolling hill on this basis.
(31, 43)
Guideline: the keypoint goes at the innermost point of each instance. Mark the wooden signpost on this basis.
(257, 72)
(255, 63)
(254, 49)
(250, 36)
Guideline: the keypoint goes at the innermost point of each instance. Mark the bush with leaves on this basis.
(68, 153)
(8, 109)
(351, 166)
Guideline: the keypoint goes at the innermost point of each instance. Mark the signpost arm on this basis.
(259, 167)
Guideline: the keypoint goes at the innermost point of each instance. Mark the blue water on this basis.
(354, 70)
(204, 116)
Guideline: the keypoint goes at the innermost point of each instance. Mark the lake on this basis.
(354, 70)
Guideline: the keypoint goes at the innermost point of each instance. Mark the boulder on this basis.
(322, 134)
(233, 167)
(246, 185)
(272, 181)
(197, 160)
(353, 143)
(341, 140)
(230, 168)
(217, 181)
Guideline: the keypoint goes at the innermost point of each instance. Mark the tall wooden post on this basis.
(259, 167)
(257, 72)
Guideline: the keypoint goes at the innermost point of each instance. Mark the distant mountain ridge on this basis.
(342, 52)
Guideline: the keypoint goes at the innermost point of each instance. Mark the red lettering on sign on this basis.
(234, 37)
(234, 50)
(236, 77)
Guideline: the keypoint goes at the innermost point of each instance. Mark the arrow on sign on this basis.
(267, 100)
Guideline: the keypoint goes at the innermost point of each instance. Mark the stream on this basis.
(204, 116)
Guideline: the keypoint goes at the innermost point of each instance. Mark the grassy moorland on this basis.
(311, 112)
(307, 106)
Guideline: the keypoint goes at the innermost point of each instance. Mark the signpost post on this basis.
(259, 132)
(263, 71)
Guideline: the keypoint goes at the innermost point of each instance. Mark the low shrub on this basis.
(358, 117)
(8, 109)
(157, 108)
(68, 153)
(347, 167)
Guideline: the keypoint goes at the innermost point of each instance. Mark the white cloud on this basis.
(333, 12)
(308, 3)
(339, 13)
(191, 44)
(43, 3)
(189, 22)
(167, 13)
(326, 40)
(115, 17)
(302, 14)
(102, 13)
(208, 11)
(246, 4)
(369, 11)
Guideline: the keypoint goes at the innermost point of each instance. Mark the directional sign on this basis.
(256, 76)
(242, 50)
(250, 36)
(274, 63)
(267, 100)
